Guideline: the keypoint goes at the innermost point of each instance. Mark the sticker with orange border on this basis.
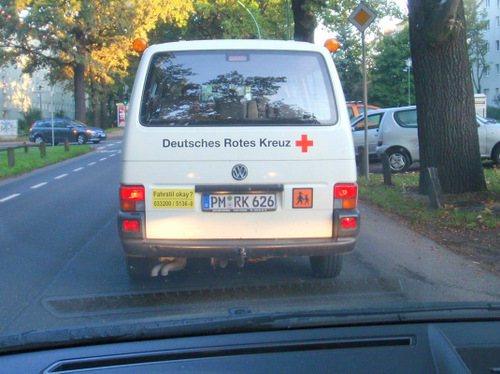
(302, 198)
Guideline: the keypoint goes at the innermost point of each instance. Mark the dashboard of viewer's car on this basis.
(445, 347)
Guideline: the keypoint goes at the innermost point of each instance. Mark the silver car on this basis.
(358, 130)
(398, 138)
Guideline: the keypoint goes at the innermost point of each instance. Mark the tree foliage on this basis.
(348, 62)
(389, 73)
(226, 19)
(80, 39)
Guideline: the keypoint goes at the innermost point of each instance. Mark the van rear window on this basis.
(234, 88)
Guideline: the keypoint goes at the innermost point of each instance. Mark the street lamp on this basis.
(408, 65)
(251, 15)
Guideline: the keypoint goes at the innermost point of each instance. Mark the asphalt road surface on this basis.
(61, 263)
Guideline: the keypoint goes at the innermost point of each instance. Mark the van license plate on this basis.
(239, 202)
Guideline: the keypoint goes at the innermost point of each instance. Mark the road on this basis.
(61, 264)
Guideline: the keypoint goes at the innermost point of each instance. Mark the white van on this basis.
(237, 150)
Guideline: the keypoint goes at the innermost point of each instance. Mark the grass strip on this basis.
(32, 160)
(469, 211)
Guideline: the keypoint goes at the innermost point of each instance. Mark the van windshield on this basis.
(232, 88)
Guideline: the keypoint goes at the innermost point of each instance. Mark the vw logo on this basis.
(239, 172)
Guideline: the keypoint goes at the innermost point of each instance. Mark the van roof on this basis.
(235, 44)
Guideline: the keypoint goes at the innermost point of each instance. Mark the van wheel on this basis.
(139, 268)
(39, 139)
(81, 139)
(399, 160)
(326, 266)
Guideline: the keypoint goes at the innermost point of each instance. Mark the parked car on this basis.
(357, 108)
(398, 138)
(65, 128)
(358, 130)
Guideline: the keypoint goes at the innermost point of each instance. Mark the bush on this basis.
(30, 116)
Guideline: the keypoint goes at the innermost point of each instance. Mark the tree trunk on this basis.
(104, 109)
(304, 22)
(79, 80)
(448, 137)
(94, 94)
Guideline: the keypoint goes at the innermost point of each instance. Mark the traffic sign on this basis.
(362, 17)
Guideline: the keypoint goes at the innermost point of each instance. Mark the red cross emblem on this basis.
(304, 143)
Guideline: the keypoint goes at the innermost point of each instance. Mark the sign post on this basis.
(361, 18)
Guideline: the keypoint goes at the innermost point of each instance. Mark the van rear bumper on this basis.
(234, 248)
(134, 243)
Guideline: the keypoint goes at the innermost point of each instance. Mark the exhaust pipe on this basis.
(165, 267)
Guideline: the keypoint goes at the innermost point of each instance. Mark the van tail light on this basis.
(132, 198)
(31, 127)
(348, 223)
(131, 225)
(380, 143)
(345, 196)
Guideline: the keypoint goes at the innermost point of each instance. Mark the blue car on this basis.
(65, 128)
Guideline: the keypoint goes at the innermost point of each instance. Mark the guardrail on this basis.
(11, 155)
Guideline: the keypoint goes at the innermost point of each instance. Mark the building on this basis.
(19, 92)
(491, 80)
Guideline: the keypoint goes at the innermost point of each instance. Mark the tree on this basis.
(348, 62)
(333, 14)
(477, 24)
(73, 38)
(389, 74)
(448, 138)
(223, 19)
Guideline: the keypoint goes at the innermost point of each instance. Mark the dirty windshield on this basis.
(237, 87)
(212, 174)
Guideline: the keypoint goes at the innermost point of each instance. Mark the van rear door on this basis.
(238, 144)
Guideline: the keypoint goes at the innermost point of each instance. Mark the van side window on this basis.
(406, 118)
(233, 88)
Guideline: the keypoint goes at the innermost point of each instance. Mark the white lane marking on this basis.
(112, 155)
(9, 197)
(92, 163)
(78, 169)
(102, 159)
(102, 147)
(39, 185)
(61, 176)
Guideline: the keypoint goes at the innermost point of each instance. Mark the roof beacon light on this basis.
(332, 44)
(140, 45)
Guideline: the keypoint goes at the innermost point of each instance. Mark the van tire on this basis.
(39, 139)
(399, 160)
(139, 268)
(326, 266)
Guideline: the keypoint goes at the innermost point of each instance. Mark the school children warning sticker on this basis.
(302, 198)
